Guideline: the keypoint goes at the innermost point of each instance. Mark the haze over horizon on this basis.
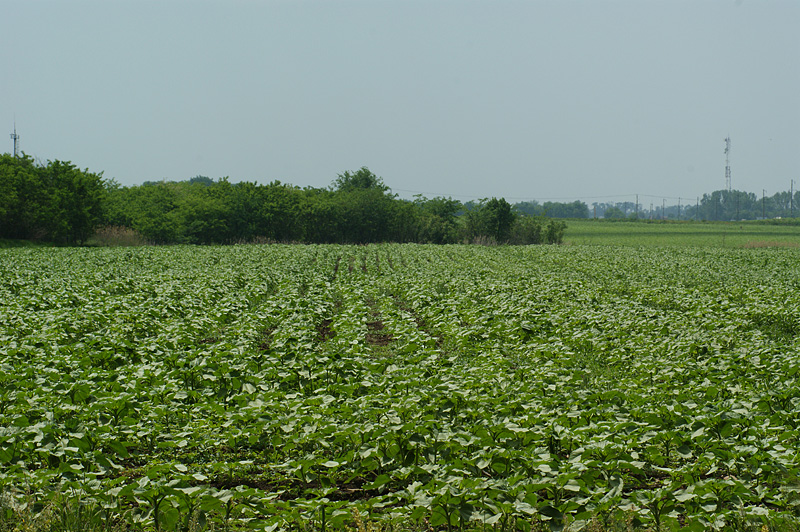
(535, 100)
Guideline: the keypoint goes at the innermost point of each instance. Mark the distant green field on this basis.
(711, 234)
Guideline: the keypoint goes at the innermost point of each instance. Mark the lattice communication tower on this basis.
(15, 138)
(728, 163)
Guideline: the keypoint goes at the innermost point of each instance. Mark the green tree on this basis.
(202, 180)
(117, 203)
(359, 209)
(436, 220)
(529, 208)
(76, 201)
(614, 213)
(526, 230)
(153, 212)
(497, 218)
(361, 179)
(491, 219)
(575, 209)
(321, 219)
(363, 215)
(280, 212)
(8, 190)
(404, 222)
(21, 197)
(204, 212)
(553, 209)
(56, 202)
(554, 233)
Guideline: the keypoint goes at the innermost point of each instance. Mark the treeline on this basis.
(553, 209)
(60, 203)
(720, 205)
(357, 208)
(739, 205)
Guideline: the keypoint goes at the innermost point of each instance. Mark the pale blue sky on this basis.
(560, 99)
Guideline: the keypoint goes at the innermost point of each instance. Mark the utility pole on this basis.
(763, 204)
(15, 138)
(663, 209)
(697, 208)
(679, 208)
(637, 206)
(791, 198)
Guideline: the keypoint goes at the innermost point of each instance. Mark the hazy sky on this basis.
(545, 100)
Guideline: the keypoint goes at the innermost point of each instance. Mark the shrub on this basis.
(554, 234)
(526, 230)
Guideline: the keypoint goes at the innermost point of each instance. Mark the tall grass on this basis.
(116, 236)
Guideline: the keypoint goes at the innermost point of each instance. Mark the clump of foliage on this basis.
(56, 202)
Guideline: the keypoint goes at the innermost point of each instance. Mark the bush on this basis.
(526, 230)
(554, 234)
